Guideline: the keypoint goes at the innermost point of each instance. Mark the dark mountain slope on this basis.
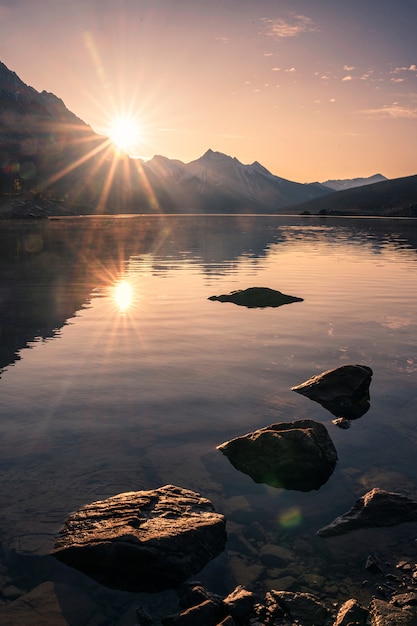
(390, 198)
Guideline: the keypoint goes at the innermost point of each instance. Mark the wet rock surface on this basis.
(282, 608)
(257, 297)
(376, 508)
(296, 455)
(143, 540)
(343, 391)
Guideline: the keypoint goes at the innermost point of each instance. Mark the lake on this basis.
(119, 374)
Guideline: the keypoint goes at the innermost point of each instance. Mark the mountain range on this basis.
(51, 162)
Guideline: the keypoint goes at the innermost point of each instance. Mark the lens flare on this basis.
(123, 295)
(290, 518)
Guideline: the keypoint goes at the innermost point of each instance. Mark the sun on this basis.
(125, 133)
(123, 294)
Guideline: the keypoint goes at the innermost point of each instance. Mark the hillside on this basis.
(390, 198)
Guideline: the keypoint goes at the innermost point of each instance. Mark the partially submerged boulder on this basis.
(343, 391)
(257, 297)
(294, 455)
(376, 508)
(143, 540)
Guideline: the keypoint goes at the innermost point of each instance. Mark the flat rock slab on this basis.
(293, 455)
(343, 391)
(143, 540)
(257, 297)
(376, 508)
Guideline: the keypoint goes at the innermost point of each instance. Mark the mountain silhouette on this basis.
(53, 163)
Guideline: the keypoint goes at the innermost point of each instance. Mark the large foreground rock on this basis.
(294, 455)
(143, 540)
(376, 508)
(257, 297)
(343, 391)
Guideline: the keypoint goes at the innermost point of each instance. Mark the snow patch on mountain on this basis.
(349, 183)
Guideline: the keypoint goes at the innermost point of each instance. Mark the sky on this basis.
(311, 89)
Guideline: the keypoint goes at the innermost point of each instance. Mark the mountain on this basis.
(389, 198)
(49, 153)
(51, 162)
(348, 183)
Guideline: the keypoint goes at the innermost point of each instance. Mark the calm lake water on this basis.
(100, 394)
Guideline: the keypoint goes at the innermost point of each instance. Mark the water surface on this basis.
(101, 395)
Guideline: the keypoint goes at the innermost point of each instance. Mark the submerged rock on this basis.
(343, 391)
(376, 508)
(297, 608)
(294, 455)
(143, 540)
(257, 297)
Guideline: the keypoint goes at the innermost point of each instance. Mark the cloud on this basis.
(348, 68)
(291, 27)
(347, 78)
(393, 111)
(403, 68)
(290, 70)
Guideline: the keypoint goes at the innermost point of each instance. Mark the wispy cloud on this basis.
(404, 68)
(393, 111)
(347, 78)
(292, 26)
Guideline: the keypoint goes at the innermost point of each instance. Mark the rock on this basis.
(239, 604)
(257, 297)
(341, 422)
(351, 614)
(373, 565)
(300, 608)
(208, 613)
(376, 508)
(405, 600)
(343, 391)
(294, 455)
(385, 614)
(272, 555)
(143, 540)
(193, 593)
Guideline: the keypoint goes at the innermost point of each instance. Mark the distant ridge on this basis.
(348, 183)
(389, 198)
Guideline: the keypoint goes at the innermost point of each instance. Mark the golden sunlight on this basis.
(125, 133)
(123, 295)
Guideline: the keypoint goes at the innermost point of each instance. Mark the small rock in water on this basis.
(296, 455)
(376, 508)
(257, 297)
(341, 422)
(343, 391)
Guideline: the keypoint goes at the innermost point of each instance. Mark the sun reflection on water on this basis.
(123, 294)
